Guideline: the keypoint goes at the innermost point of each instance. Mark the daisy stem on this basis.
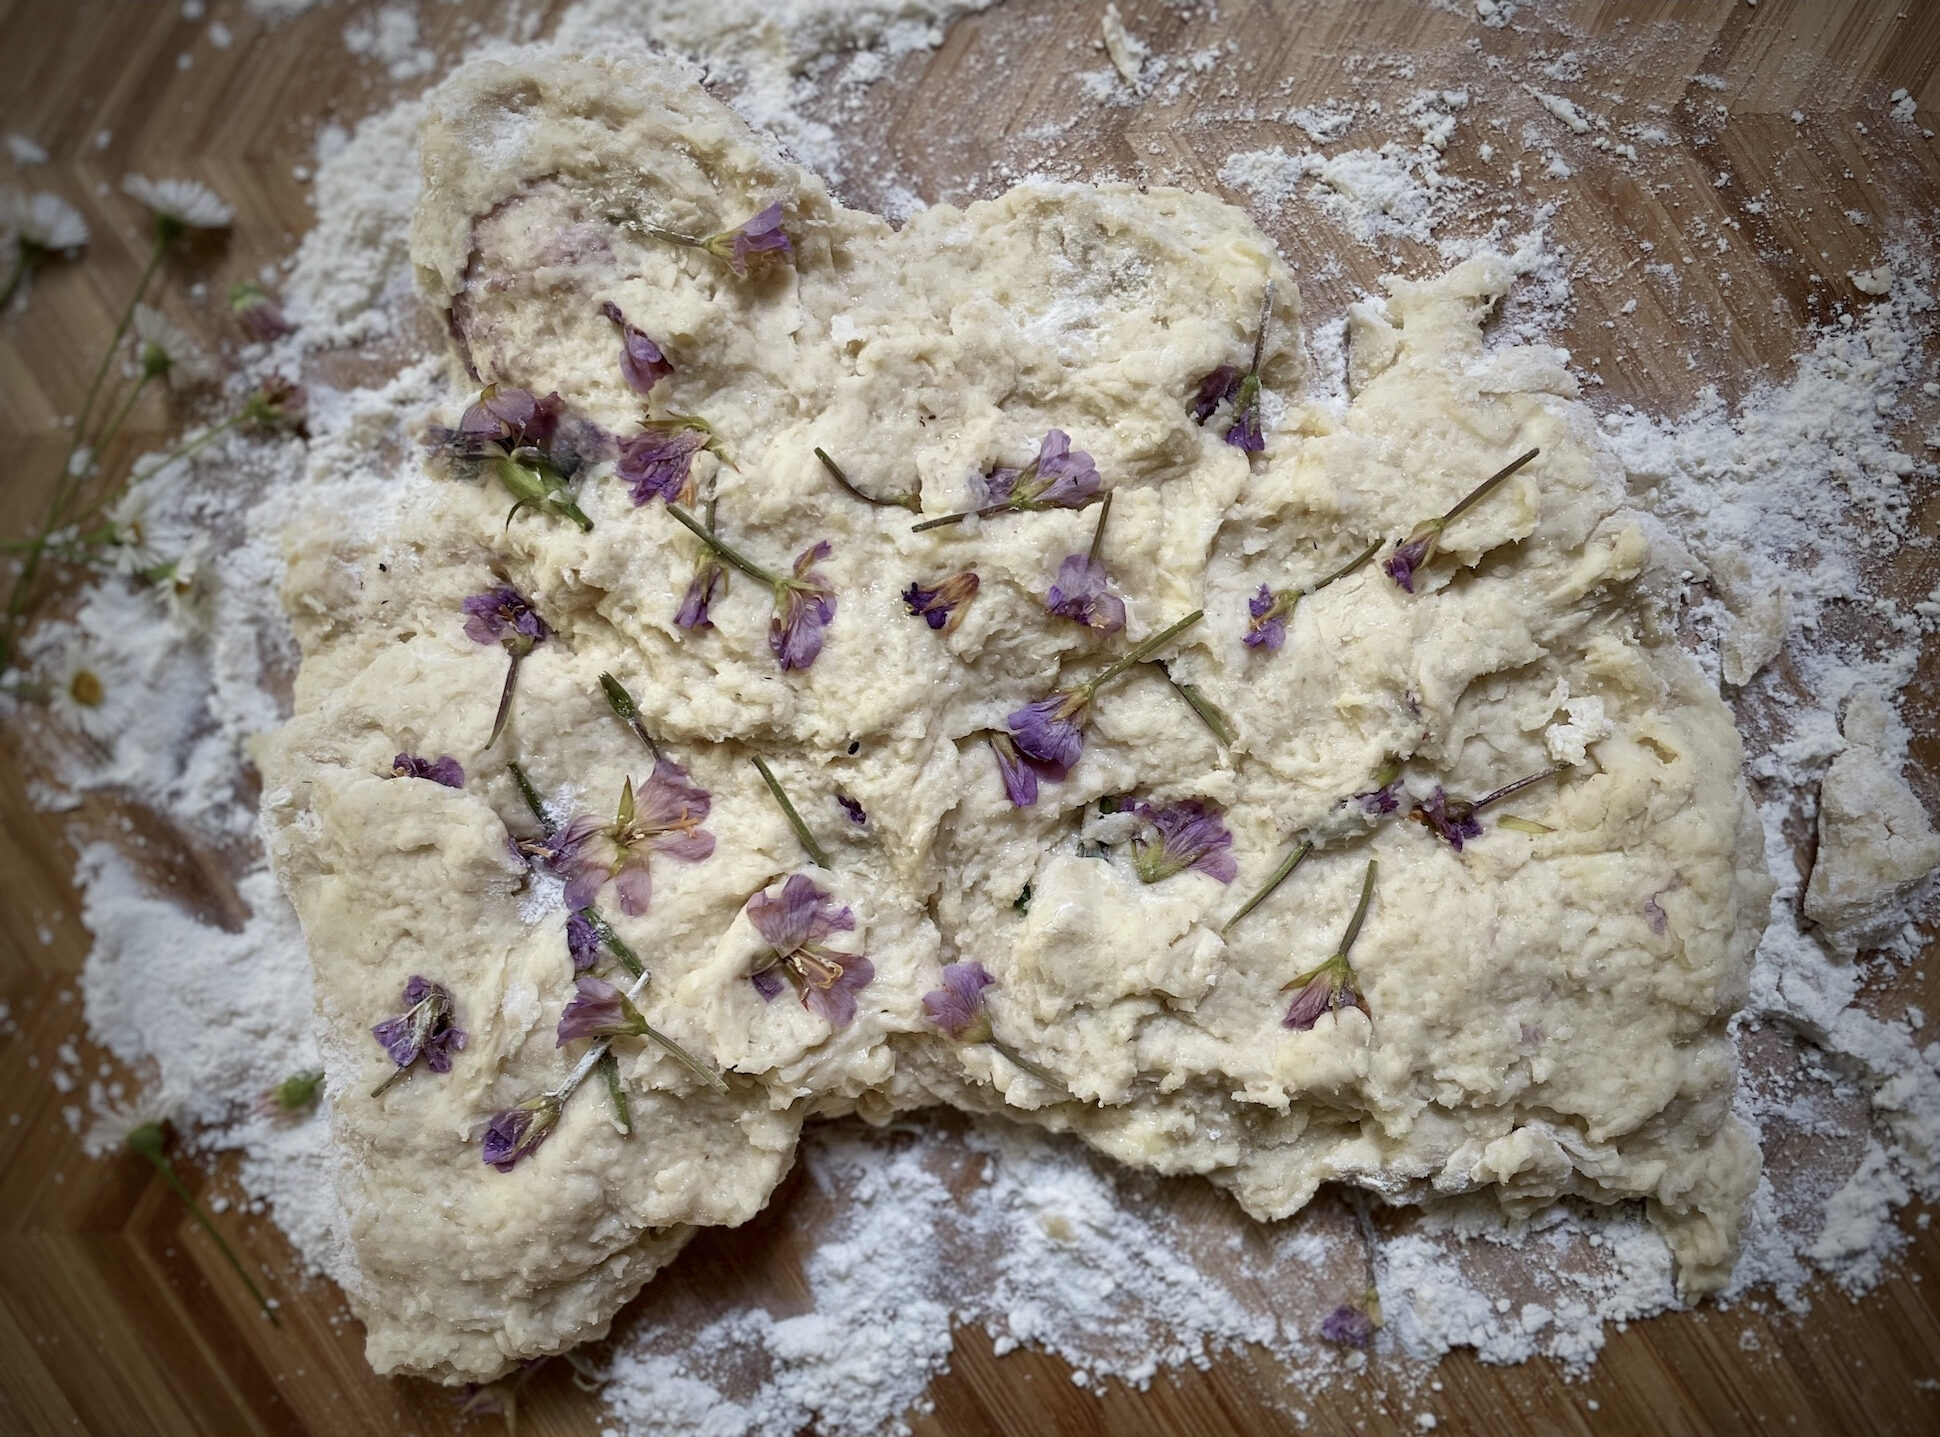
(726, 551)
(1018, 1060)
(1279, 876)
(162, 240)
(1486, 487)
(788, 812)
(1145, 650)
(147, 1141)
(74, 484)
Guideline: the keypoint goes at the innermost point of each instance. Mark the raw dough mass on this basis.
(1548, 1008)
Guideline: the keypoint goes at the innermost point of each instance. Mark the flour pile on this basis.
(1793, 499)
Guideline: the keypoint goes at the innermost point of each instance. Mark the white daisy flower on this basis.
(113, 1124)
(42, 220)
(163, 347)
(180, 204)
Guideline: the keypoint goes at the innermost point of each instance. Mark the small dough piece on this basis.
(1875, 841)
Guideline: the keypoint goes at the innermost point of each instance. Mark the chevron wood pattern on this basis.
(118, 1316)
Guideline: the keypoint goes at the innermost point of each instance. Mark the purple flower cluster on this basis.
(663, 817)
(658, 462)
(444, 769)
(642, 363)
(794, 923)
(958, 1006)
(804, 608)
(1188, 834)
(754, 238)
(425, 1029)
(943, 606)
(1082, 592)
(504, 616)
(1452, 820)
(1268, 613)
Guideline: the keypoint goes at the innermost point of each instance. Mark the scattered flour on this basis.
(1793, 501)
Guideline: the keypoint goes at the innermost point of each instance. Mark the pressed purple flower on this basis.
(257, 313)
(582, 941)
(804, 608)
(1414, 552)
(758, 236)
(957, 1007)
(1020, 775)
(658, 462)
(504, 418)
(994, 487)
(702, 590)
(1452, 820)
(794, 923)
(1348, 1325)
(1214, 390)
(1268, 613)
(1248, 429)
(598, 1010)
(943, 606)
(503, 616)
(856, 813)
(641, 362)
(516, 1132)
(444, 769)
(1332, 987)
(1082, 592)
(1383, 800)
(425, 1029)
(663, 817)
(1051, 730)
(1059, 477)
(1189, 834)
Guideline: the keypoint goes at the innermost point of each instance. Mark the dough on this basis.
(1545, 1010)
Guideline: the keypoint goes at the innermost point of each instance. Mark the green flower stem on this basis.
(1279, 876)
(181, 452)
(1349, 567)
(1259, 333)
(686, 1059)
(148, 1140)
(726, 551)
(547, 824)
(610, 1070)
(1360, 913)
(514, 651)
(162, 241)
(788, 812)
(613, 941)
(1098, 534)
(1518, 786)
(1209, 714)
(1018, 1060)
(1485, 488)
(909, 499)
(1143, 651)
(622, 704)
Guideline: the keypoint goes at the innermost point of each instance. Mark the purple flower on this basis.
(794, 923)
(1190, 835)
(1383, 800)
(1058, 478)
(1269, 612)
(502, 419)
(1452, 820)
(804, 608)
(1248, 431)
(257, 313)
(665, 817)
(702, 590)
(516, 1132)
(994, 487)
(761, 235)
(1214, 390)
(1019, 774)
(1330, 988)
(1051, 730)
(1348, 1326)
(957, 1007)
(641, 362)
(1082, 592)
(853, 809)
(503, 616)
(1411, 554)
(443, 769)
(425, 1029)
(658, 462)
(598, 1010)
(582, 942)
(943, 606)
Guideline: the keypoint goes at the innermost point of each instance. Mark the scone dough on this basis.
(1548, 1007)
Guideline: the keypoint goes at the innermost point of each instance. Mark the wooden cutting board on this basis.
(117, 1315)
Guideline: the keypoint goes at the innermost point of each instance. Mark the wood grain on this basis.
(118, 1316)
